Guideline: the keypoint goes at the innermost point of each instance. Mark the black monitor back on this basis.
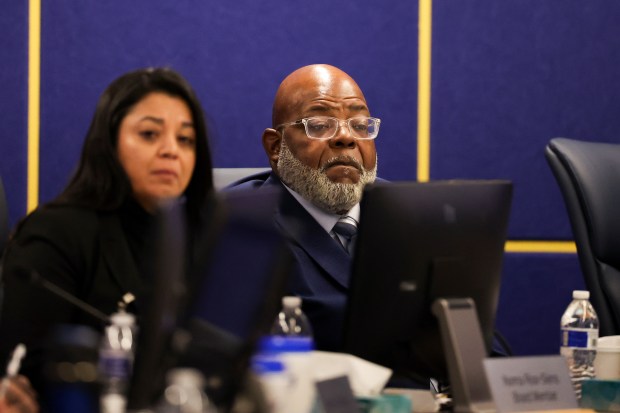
(418, 242)
(237, 289)
(210, 316)
(161, 303)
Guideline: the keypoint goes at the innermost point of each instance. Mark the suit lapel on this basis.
(117, 255)
(302, 229)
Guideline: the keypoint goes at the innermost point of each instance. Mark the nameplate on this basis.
(520, 384)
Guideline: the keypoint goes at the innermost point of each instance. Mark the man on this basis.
(322, 152)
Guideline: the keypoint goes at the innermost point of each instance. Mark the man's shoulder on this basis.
(254, 181)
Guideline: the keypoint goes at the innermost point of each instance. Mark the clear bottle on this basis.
(275, 381)
(294, 354)
(291, 343)
(291, 321)
(116, 362)
(579, 328)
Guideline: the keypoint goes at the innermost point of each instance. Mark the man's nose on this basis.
(343, 137)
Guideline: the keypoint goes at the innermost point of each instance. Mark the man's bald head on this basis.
(330, 173)
(307, 83)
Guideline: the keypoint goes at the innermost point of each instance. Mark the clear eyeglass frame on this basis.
(326, 127)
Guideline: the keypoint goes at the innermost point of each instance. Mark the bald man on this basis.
(322, 153)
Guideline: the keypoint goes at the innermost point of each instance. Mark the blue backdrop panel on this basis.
(506, 77)
(510, 75)
(536, 289)
(13, 104)
(235, 55)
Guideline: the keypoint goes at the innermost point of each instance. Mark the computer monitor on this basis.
(211, 316)
(160, 305)
(418, 242)
(239, 284)
(237, 290)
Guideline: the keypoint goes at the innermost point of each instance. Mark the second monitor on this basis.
(418, 242)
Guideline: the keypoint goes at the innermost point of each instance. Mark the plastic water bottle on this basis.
(291, 320)
(274, 379)
(297, 392)
(290, 344)
(579, 328)
(116, 362)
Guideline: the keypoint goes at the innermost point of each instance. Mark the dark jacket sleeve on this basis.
(58, 244)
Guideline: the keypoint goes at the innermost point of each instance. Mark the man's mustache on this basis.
(342, 160)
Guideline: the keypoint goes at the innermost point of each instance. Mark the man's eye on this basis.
(362, 127)
(319, 126)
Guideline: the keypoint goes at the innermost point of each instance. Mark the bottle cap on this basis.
(581, 295)
(291, 302)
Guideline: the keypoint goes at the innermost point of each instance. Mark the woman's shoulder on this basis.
(59, 221)
(62, 215)
(55, 238)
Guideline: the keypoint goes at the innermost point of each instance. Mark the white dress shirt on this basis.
(325, 219)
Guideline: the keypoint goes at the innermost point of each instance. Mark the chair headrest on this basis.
(594, 169)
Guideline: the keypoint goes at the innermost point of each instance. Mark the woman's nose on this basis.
(169, 145)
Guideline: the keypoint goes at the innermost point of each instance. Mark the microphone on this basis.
(35, 279)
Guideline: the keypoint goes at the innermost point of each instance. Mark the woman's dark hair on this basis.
(100, 181)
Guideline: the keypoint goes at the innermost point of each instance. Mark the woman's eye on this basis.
(148, 135)
(187, 140)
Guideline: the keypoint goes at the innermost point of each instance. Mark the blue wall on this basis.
(506, 77)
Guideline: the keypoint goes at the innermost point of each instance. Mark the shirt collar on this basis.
(325, 219)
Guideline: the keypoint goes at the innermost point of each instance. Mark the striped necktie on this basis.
(346, 227)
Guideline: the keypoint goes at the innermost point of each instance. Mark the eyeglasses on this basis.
(326, 127)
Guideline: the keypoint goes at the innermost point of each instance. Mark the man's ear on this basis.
(271, 142)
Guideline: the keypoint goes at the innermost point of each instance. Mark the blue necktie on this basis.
(346, 227)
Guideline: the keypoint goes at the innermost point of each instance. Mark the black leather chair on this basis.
(588, 174)
(4, 219)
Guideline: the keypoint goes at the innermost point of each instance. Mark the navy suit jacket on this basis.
(322, 267)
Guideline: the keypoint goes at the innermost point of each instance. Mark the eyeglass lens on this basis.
(325, 127)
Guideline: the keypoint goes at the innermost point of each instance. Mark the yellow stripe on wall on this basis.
(34, 90)
(560, 247)
(424, 88)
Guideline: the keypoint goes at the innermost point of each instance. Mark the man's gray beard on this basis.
(316, 187)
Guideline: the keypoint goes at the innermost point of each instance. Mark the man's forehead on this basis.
(344, 95)
(325, 103)
(317, 88)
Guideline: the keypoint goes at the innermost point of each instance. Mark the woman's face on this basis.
(157, 148)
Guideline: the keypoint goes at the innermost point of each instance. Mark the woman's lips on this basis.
(165, 173)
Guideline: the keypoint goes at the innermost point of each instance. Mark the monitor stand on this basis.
(464, 348)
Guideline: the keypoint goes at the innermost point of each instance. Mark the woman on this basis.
(147, 143)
